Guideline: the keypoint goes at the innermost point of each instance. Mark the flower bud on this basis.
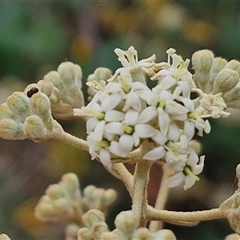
(18, 102)
(34, 127)
(225, 80)
(126, 221)
(93, 216)
(62, 207)
(114, 235)
(71, 231)
(232, 97)
(109, 196)
(5, 112)
(44, 211)
(233, 236)
(97, 229)
(142, 233)
(202, 63)
(40, 105)
(71, 74)
(11, 130)
(83, 234)
(217, 66)
(234, 65)
(54, 191)
(4, 237)
(164, 234)
(70, 184)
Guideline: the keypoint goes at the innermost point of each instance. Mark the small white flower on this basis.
(187, 172)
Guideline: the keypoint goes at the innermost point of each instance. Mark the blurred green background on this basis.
(36, 36)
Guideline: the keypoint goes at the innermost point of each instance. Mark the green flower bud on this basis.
(234, 65)
(114, 235)
(109, 196)
(164, 234)
(11, 130)
(5, 112)
(142, 233)
(126, 221)
(232, 97)
(217, 66)
(18, 102)
(4, 237)
(202, 63)
(40, 105)
(55, 191)
(97, 229)
(93, 216)
(44, 211)
(34, 127)
(70, 184)
(71, 74)
(62, 207)
(84, 234)
(225, 80)
(72, 231)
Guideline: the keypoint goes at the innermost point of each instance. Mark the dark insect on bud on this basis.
(32, 91)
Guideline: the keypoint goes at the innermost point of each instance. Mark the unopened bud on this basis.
(116, 234)
(4, 237)
(164, 234)
(71, 231)
(40, 105)
(233, 236)
(71, 74)
(97, 229)
(109, 196)
(83, 234)
(126, 221)
(11, 130)
(18, 102)
(232, 97)
(202, 63)
(62, 207)
(6, 112)
(234, 65)
(225, 80)
(217, 66)
(70, 183)
(54, 191)
(93, 216)
(34, 127)
(142, 233)
(44, 211)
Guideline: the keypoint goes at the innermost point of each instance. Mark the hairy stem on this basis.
(141, 177)
(173, 216)
(59, 134)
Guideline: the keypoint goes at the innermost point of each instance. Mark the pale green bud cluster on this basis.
(67, 93)
(214, 75)
(98, 198)
(61, 201)
(233, 236)
(126, 228)
(4, 237)
(26, 116)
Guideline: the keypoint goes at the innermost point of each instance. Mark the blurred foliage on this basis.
(36, 36)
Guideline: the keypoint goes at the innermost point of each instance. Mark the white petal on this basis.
(126, 142)
(167, 82)
(159, 138)
(189, 182)
(105, 159)
(147, 114)
(114, 115)
(131, 117)
(163, 121)
(173, 132)
(114, 128)
(91, 124)
(144, 130)
(116, 149)
(155, 154)
(175, 180)
(132, 101)
(111, 102)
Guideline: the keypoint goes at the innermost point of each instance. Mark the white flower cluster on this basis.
(125, 114)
